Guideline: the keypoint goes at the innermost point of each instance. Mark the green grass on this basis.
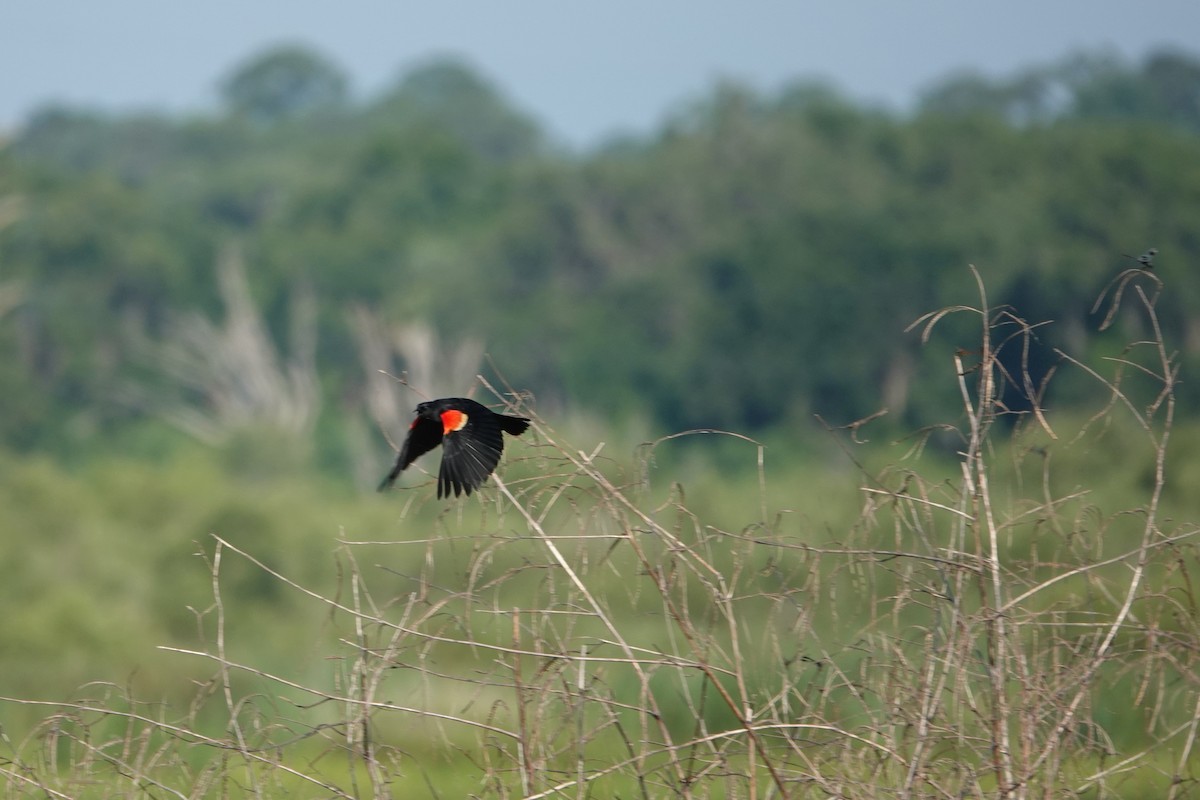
(815, 592)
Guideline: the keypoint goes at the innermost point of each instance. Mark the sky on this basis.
(584, 70)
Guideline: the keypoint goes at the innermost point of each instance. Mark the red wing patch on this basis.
(453, 420)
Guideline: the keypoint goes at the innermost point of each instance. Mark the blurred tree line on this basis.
(753, 261)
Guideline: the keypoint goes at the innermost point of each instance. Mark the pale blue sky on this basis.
(583, 69)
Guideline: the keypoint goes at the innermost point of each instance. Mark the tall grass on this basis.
(585, 628)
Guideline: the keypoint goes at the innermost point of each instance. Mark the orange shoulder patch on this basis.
(453, 421)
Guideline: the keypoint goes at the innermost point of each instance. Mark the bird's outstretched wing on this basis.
(470, 454)
(423, 435)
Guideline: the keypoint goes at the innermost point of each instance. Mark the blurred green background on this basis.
(194, 310)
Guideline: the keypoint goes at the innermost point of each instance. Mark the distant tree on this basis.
(1165, 89)
(70, 136)
(284, 83)
(1088, 85)
(1033, 96)
(753, 260)
(448, 95)
(1175, 80)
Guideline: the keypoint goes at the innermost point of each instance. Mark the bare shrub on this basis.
(213, 379)
(440, 368)
(987, 630)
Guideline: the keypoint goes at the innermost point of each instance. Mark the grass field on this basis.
(998, 606)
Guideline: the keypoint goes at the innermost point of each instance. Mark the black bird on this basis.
(470, 434)
(1145, 260)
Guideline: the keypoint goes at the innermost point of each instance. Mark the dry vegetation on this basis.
(583, 632)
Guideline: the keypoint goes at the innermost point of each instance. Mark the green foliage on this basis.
(103, 564)
(460, 611)
(444, 95)
(754, 263)
(282, 84)
(1097, 86)
(1015, 608)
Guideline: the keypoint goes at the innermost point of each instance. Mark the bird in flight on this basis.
(471, 437)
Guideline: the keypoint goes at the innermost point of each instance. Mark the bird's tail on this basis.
(513, 425)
